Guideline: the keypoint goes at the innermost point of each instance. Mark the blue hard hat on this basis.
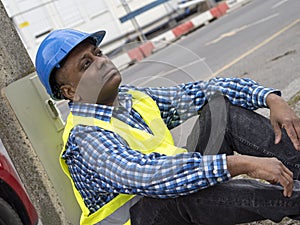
(54, 48)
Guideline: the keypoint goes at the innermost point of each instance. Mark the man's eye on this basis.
(99, 53)
(86, 64)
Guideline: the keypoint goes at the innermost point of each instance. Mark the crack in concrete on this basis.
(283, 55)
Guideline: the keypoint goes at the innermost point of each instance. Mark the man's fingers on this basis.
(289, 189)
(288, 172)
(277, 132)
(292, 134)
(289, 179)
(286, 180)
(297, 129)
(287, 185)
(297, 126)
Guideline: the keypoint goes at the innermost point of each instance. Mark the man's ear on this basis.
(70, 92)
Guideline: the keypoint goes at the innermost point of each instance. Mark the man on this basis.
(118, 147)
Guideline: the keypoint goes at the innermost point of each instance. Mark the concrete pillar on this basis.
(14, 64)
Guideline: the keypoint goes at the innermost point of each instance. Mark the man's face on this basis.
(89, 76)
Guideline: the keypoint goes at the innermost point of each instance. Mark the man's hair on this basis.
(55, 86)
(57, 93)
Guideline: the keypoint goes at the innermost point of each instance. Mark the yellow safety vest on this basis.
(160, 141)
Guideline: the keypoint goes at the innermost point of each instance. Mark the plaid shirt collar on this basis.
(101, 112)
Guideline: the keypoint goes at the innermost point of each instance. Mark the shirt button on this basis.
(219, 179)
(215, 171)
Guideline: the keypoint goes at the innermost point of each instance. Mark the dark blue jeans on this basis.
(224, 128)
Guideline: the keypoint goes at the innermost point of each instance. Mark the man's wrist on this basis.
(238, 164)
(273, 99)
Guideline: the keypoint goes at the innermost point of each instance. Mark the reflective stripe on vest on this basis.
(160, 141)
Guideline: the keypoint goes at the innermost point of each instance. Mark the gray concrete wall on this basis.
(14, 64)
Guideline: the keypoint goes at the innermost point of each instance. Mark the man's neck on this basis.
(116, 103)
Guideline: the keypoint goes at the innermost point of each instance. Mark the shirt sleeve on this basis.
(181, 102)
(110, 165)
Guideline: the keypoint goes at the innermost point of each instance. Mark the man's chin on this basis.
(108, 94)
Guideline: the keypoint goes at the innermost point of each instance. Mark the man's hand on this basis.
(269, 169)
(282, 116)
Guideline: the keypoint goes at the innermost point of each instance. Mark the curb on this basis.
(146, 49)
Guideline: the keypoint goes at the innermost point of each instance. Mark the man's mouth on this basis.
(110, 73)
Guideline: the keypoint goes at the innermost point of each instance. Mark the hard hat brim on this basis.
(99, 35)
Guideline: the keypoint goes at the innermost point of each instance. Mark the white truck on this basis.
(34, 19)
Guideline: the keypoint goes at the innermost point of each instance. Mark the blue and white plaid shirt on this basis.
(103, 165)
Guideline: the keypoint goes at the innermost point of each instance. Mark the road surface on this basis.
(259, 40)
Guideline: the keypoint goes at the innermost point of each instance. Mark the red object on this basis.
(183, 28)
(18, 197)
(215, 12)
(223, 7)
(219, 10)
(135, 54)
(146, 48)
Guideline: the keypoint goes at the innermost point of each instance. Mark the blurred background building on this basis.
(125, 21)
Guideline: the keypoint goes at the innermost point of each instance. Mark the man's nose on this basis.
(100, 61)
